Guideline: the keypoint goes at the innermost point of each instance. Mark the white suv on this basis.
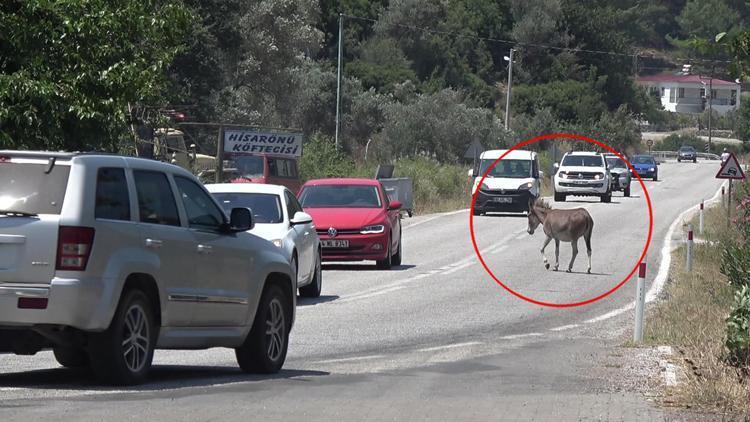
(104, 258)
(583, 174)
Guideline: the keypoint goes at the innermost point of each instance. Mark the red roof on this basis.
(696, 79)
(343, 181)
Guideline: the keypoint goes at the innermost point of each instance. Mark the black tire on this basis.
(313, 289)
(626, 192)
(110, 360)
(656, 177)
(71, 357)
(476, 212)
(387, 262)
(559, 197)
(607, 197)
(679, 160)
(261, 353)
(396, 260)
(695, 160)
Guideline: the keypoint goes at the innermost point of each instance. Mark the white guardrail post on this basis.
(700, 221)
(640, 303)
(690, 248)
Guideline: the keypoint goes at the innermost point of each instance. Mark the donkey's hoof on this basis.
(546, 266)
(568, 270)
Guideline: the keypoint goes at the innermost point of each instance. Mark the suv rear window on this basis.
(26, 188)
(112, 201)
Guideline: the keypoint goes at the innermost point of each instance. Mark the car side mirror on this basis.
(241, 219)
(471, 173)
(540, 174)
(394, 205)
(300, 218)
(556, 166)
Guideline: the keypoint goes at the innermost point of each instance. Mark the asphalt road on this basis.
(436, 338)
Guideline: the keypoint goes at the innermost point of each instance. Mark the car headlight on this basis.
(278, 242)
(562, 175)
(484, 187)
(526, 186)
(597, 176)
(651, 169)
(376, 228)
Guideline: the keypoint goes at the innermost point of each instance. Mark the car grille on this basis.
(585, 175)
(324, 232)
(588, 185)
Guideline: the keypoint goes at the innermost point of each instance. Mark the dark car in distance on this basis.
(687, 153)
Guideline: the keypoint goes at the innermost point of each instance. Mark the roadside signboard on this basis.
(253, 141)
(731, 169)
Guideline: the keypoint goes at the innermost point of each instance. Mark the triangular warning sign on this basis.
(731, 169)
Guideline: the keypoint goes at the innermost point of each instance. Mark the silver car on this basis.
(105, 258)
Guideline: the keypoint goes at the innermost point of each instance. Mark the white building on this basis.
(687, 93)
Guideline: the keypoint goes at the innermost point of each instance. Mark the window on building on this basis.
(662, 91)
(681, 92)
(703, 92)
(672, 95)
(733, 98)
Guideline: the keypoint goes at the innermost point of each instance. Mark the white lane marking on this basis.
(445, 214)
(521, 236)
(565, 327)
(517, 336)
(449, 346)
(666, 259)
(458, 268)
(500, 249)
(354, 359)
(369, 295)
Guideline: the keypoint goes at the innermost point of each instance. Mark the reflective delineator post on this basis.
(700, 221)
(640, 303)
(690, 248)
(722, 195)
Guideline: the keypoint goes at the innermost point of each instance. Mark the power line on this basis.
(536, 45)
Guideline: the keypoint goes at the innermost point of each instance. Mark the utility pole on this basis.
(710, 104)
(510, 86)
(338, 80)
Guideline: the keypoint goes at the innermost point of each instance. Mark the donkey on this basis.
(561, 225)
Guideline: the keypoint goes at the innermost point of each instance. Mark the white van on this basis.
(511, 184)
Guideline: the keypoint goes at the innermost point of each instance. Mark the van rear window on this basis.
(26, 188)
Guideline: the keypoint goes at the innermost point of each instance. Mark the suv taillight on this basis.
(74, 247)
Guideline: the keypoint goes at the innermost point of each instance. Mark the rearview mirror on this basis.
(241, 219)
(300, 218)
(394, 205)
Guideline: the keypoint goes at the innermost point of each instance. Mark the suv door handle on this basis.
(153, 243)
(205, 249)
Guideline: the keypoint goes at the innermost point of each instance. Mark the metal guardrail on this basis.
(672, 155)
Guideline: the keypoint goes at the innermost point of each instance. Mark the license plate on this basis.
(335, 243)
(502, 200)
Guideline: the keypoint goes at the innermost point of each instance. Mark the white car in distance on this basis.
(279, 218)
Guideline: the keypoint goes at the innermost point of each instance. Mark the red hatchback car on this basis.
(355, 219)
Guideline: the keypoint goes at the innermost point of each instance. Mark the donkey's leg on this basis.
(587, 238)
(574, 243)
(557, 254)
(546, 242)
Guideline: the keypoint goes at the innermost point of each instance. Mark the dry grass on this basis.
(693, 319)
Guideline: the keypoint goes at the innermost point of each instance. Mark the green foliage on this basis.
(743, 122)
(439, 126)
(568, 101)
(738, 328)
(434, 183)
(322, 160)
(706, 18)
(69, 70)
(674, 141)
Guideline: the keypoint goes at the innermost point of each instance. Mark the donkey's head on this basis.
(537, 212)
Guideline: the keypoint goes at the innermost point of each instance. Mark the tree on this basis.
(69, 70)
(743, 122)
(568, 101)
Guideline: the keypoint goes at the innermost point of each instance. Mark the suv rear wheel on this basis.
(123, 353)
(264, 350)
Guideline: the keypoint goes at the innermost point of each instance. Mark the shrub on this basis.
(738, 329)
(436, 187)
(321, 159)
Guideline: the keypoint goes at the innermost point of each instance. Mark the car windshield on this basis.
(266, 206)
(247, 166)
(340, 196)
(687, 149)
(28, 188)
(615, 162)
(643, 159)
(514, 169)
(582, 161)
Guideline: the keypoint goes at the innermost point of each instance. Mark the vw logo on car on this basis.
(332, 232)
